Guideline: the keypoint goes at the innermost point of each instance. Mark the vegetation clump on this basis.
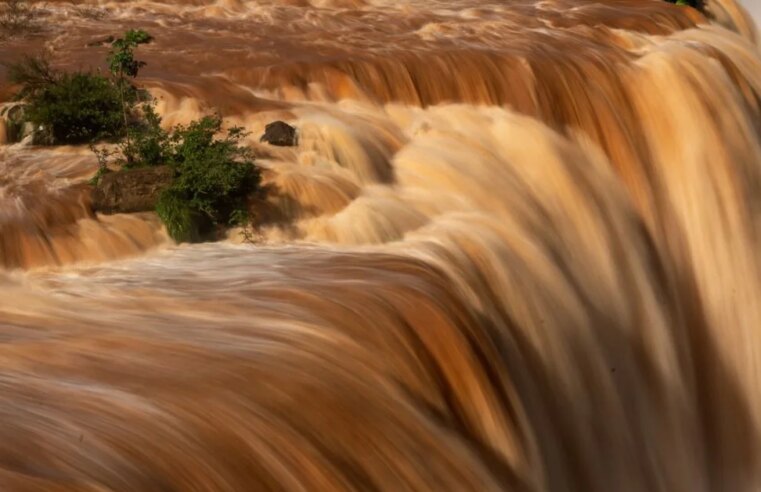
(213, 172)
(67, 107)
(81, 107)
(214, 175)
(124, 68)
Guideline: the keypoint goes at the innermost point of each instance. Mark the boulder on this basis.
(134, 190)
(279, 133)
(17, 128)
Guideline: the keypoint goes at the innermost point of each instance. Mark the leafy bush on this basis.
(214, 177)
(146, 143)
(214, 173)
(182, 223)
(70, 108)
(80, 107)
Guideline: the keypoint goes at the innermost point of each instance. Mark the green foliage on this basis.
(80, 107)
(179, 219)
(214, 173)
(214, 176)
(123, 66)
(121, 58)
(71, 108)
(147, 143)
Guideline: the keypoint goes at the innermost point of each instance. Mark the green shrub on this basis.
(182, 222)
(81, 107)
(214, 173)
(147, 144)
(69, 107)
(77, 108)
(214, 176)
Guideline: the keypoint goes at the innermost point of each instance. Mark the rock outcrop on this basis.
(279, 133)
(134, 190)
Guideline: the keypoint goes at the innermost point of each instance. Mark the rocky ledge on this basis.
(134, 190)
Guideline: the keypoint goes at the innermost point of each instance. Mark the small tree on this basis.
(124, 68)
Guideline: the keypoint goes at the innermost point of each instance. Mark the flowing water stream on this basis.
(516, 248)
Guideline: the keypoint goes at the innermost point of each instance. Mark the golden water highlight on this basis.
(515, 248)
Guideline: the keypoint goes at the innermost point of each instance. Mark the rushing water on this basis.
(517, 248)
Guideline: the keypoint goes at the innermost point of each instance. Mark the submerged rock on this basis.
(135, 190)
(279, 133)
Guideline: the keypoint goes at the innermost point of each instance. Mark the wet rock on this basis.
(17, 128)
(279, 133)
(135, 190)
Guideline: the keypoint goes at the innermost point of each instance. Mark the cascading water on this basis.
(516, 248)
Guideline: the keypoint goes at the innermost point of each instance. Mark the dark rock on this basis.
(279, 133)
(135, 190)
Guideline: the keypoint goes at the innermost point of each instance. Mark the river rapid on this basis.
(516, 248)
